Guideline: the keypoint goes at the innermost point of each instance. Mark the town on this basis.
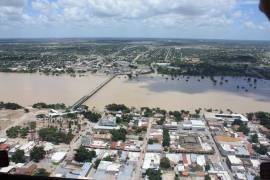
(133, 143)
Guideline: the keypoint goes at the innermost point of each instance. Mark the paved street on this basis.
(138, 170)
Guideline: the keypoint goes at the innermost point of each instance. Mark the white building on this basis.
(58, 157)
(151, 160)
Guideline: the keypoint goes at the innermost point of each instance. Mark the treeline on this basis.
(9, 105)
(17, 131)
(208, 69)
(54, 135)
(117, 107)
(263, 117)
(42, 105)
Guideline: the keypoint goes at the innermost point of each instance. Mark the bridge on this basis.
(88, 96)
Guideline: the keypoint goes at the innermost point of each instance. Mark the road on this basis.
(217, 157)
(138, 170)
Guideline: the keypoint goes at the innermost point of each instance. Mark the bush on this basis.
(117, 107)
(53, 135)
(18, 156)
(118, 135)
(37, 153)
(165, 163)
(92, 116)
(84, 155)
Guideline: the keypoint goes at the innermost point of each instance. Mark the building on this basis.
(58, 157)
(105, 124)
(154, 148)
(229, 118)
(107, 170)
(151, 160)
(232, 160)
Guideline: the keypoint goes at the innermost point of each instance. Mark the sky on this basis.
(198, 19)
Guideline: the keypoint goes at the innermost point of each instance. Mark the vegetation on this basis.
(37, 153)
(84, 155)
(177, 115)
(153, 174)
(107, 158)
(254, 138)
(118, 135)
(41, 172)
(264, 118)
(117, 107)
(147, 112)
(49, 106)
(165, 163)
(207, 177)
(92, 116)
(243, 128)
(207, 167)
(15, 131)
(97, 162)
(166, 138)
(11, 106)
(18, 156)
(52, 134)
(161, 121)
(260, 149)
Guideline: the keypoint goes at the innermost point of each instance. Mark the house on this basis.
(151, 160)
(58, 157)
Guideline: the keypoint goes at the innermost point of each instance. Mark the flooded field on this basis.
(237, 94)
(27, 89)
(157, 91)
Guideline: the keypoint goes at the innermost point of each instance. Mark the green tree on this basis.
(18, 156)
(207, 167)
(154, 174)
(254, 138)
(107, 158)
(243, 128)
(13, 132)
(118, 135)
(207, 177)
(165, 163)
(166, 138)
(33, 125)
(24, 132)
(37, 153)
(41, 172)
(53, 135)
(92, 116)
(97, 162)
(84, 155)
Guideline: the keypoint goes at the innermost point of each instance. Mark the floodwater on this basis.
(27, 89)
(156, 91)
(145, 90)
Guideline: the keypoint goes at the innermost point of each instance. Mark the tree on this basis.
(107, 158)
(154, 174)
(41, 172)
(254, 138)
(207, 167)
(92, 116)
(13, 132)
(207, 177)
(84, 155)
(24, 132)
(165, 163)
(260, 149)
(243, 128)
(117, 107)
(53, 135)
(18, 156)
(33, 125)
(118, 135)
(166, 138)
(37, 153)
(97, 162)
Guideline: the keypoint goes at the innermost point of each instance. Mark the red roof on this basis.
(185, 161)
(4, 147)
(113, 145)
